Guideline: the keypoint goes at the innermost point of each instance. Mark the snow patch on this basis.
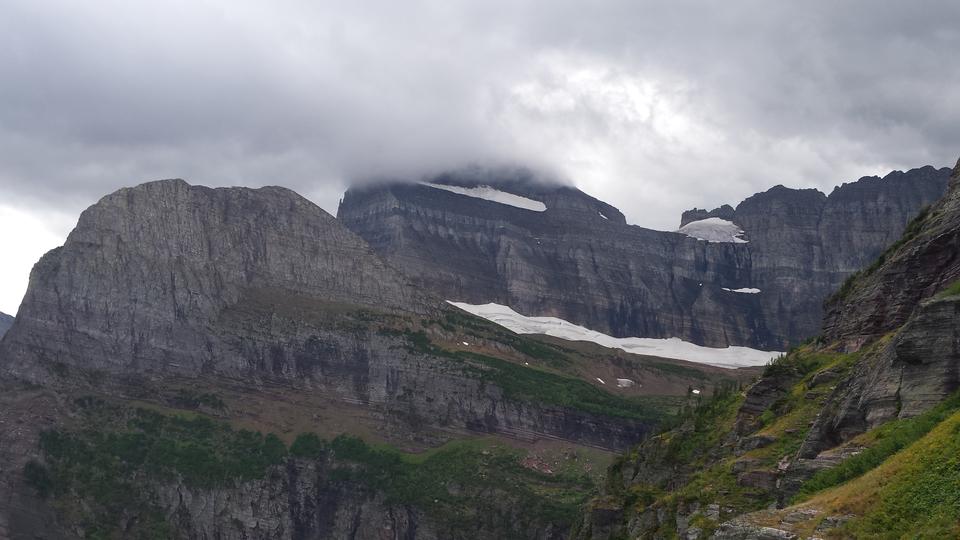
(488, 193)
(713, 230)
(603, 216)
(600, 380)
(695, 391)
(625, 383)
(745, 290)
(664, 348)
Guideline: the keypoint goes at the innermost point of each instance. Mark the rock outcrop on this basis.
(889, 351)
(724, 212)
(579, 260)
(926, 260)
(142, 281)
(907, 294)
(6, 321)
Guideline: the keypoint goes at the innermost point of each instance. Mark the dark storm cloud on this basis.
(656, 106)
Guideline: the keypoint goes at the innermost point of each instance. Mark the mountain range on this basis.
(577, 259)
(237, 363)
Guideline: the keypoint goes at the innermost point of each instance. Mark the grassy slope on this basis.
(702, 446)
(915, 493)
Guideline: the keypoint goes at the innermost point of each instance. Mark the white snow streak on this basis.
(745, 290)
(713, 230)
(664, 348)
(488, 193)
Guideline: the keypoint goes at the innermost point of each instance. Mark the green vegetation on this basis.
(702, 426)
(189, 399)
(800, 362)
(952, 290)
(700, 453)
(38, 477)
(887, 440)
(527, 383)
(531, 384)
(448, 483)
(97, 472)
(914, 494)
(201, 452)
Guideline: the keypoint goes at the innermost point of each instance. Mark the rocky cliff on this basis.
(167, 279)
(697, 214)
(577, 259)
(848, 436)
(6, 321)
(234, 311)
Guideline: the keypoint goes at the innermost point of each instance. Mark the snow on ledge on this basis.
(488, 193)
(665, 348)
(713, 230)
(745, 290)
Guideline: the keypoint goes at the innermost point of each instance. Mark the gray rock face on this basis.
(883, 299)
(6, 321)
(578, 260)
(919, 365)
(724, 212)
(296, 501)
(302, 500)
(171, 279)
(148, 270)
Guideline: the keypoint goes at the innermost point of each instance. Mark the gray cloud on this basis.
(654, 106)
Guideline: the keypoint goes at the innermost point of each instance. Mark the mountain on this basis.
(6, 321)
(565, 254)
(235, 363)
(852, 435)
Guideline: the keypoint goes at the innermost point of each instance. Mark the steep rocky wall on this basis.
(171, 279)
(148, 269)
(571, 262)
(6, 321)
(925, 261)
(295, 501)
(724, 212)
(615, 278)
(911, 372)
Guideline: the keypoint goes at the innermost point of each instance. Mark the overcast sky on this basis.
(653, 106)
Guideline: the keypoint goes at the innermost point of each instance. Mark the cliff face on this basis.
(168, 279)
(884, 296)
(142, 279)
(724, 212)
(910, 294)
(579, 261)
(6, 321)
(257, 307)
(868, 407)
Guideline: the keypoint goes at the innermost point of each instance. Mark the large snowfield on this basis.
(713, 230)
(664, 348)
(490, 194)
